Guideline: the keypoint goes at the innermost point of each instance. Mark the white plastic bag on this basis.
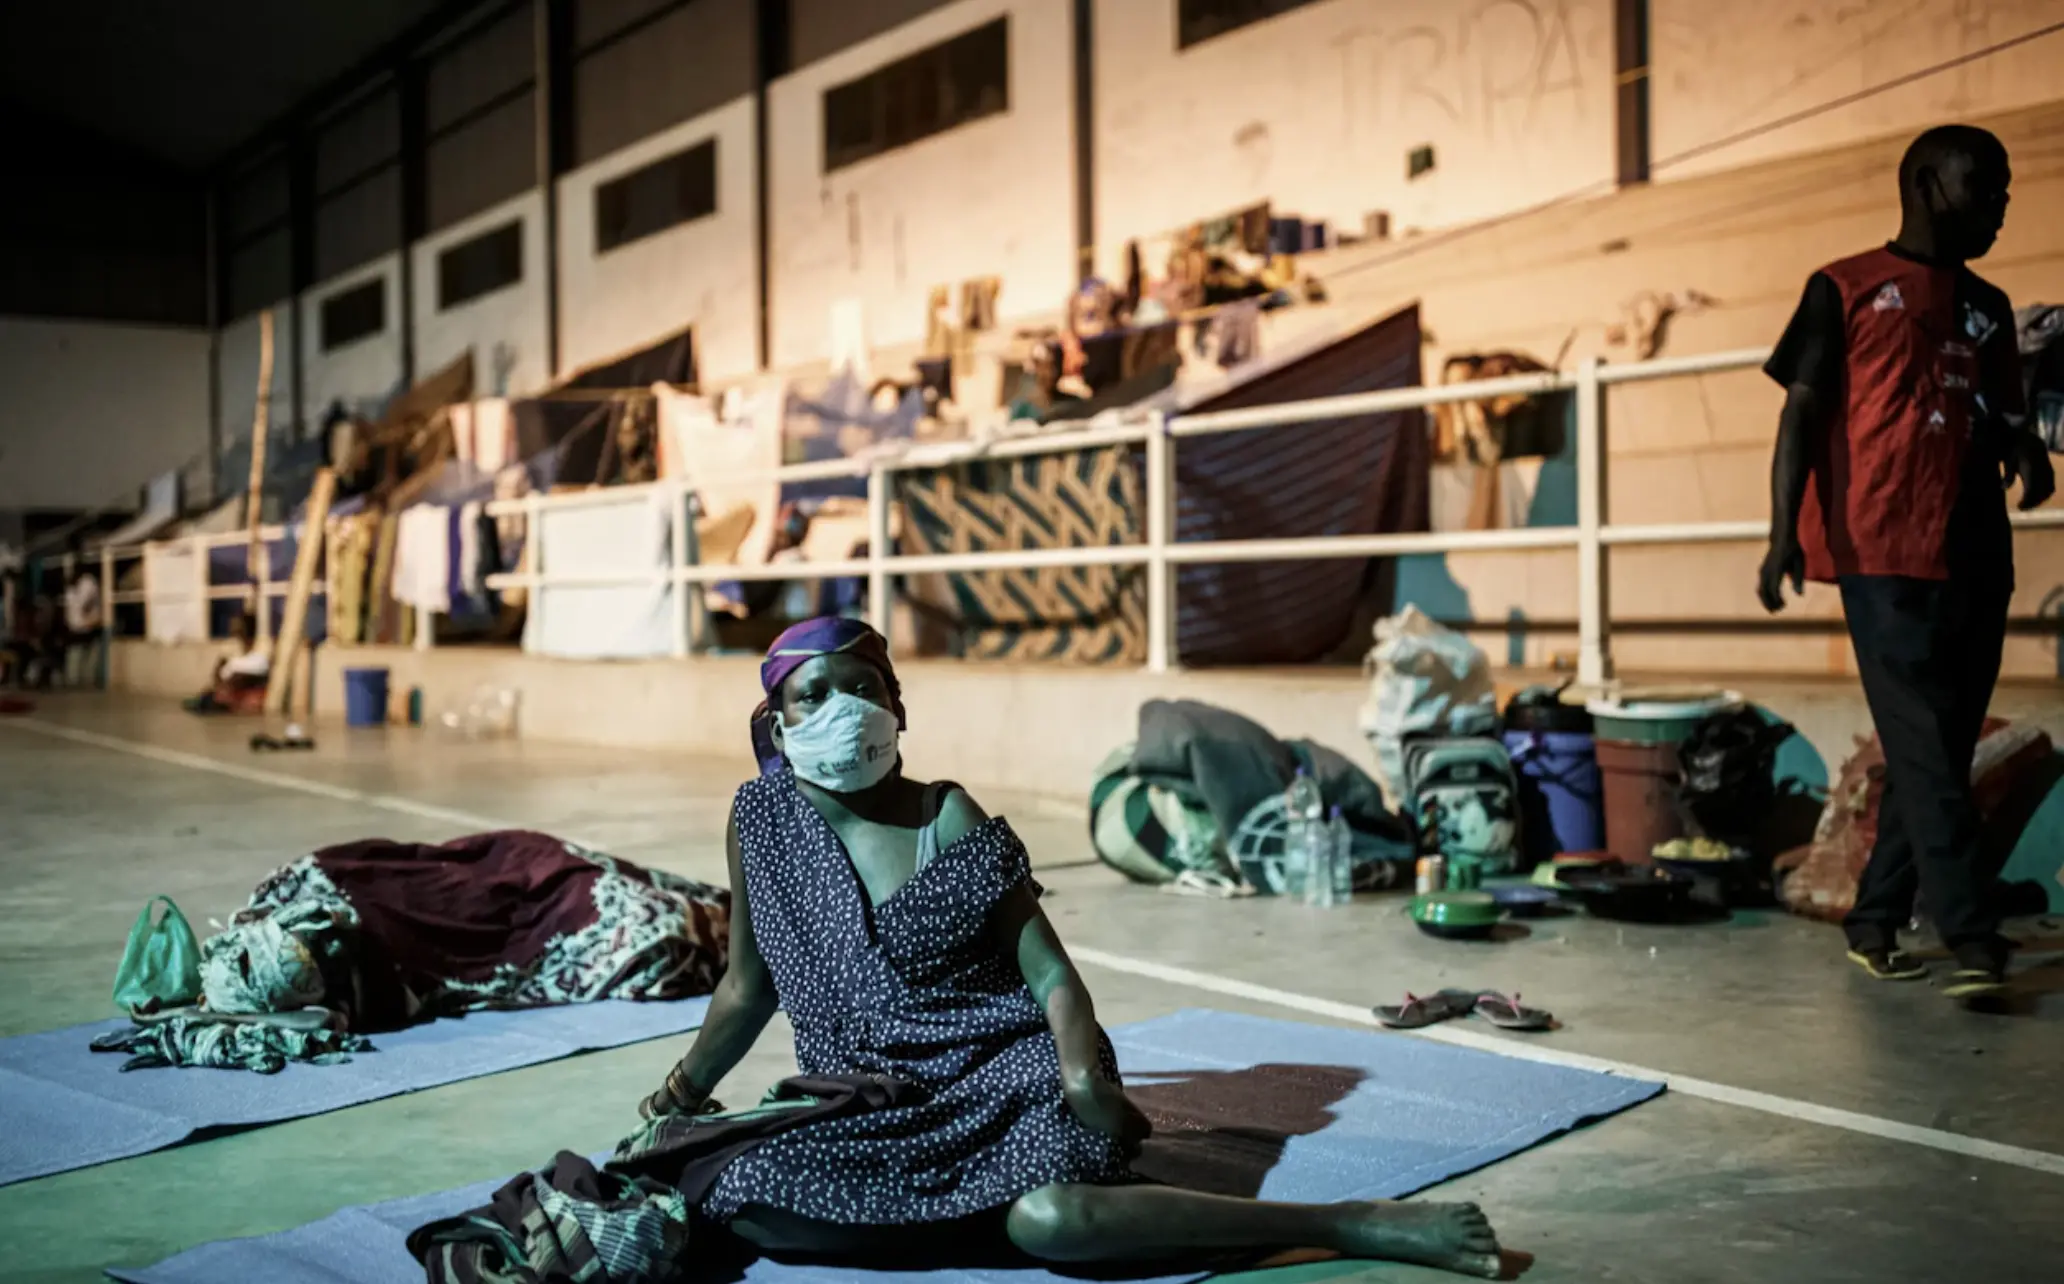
(1423, 679)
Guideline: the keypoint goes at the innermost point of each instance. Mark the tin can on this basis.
(1433, 875)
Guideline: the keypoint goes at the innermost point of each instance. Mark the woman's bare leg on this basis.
(1131, 1223)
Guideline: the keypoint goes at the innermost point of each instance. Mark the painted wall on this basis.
(1726, 69)
(362, 374)
(1318, 109)
(90, 412)
(701, 273)
(506, 329)
(994, 198)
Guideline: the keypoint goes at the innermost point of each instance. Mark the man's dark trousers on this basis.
(1929, 654)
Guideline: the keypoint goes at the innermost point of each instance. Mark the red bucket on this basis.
(1640, 795)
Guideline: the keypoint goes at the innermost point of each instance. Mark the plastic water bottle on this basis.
(1305, 839)
(1329, 882)
(1340, 847)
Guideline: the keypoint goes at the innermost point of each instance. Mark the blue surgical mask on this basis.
(845, 745)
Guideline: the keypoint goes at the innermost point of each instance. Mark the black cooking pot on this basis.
(1637, 893)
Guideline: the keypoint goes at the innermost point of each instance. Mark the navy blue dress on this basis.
(914, 989)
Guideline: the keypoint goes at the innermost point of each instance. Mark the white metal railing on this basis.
(201, 587)
(1590, 537)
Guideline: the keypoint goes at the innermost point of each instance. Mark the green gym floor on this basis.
(1820, 1127)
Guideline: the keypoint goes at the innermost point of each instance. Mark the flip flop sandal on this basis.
(1416, 1013)
(1889, 965)
(1510, 1014)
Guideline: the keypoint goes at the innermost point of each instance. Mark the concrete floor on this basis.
(106, 800)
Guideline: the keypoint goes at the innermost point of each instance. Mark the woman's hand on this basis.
(1104, 1106)
(678, 1096)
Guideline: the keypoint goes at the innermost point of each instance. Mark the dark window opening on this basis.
(678, 189)
(1199, 20)
(489, 262)
(357, 313)
(944, 87)
(1420, 160)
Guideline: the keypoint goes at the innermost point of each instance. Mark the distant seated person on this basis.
(82, 626)
(27, 658)
(240, 679)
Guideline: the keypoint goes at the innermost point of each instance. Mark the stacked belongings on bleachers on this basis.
(383, 466)
(374, 936)
(600, 424)
(2040, 331)
(1196, 803)
(1485, 436)
(1819, 880)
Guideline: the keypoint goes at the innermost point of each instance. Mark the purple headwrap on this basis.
(798, 645)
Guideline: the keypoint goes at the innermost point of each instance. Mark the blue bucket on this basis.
(365, 697)
(1561, 793)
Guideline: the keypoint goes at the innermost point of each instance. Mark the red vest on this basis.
(1890, 462)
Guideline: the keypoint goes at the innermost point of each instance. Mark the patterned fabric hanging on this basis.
(1075, 499)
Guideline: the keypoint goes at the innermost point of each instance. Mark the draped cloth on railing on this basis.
(1077, 499)
(1359, 475)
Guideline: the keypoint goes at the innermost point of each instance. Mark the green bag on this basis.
(161, 966)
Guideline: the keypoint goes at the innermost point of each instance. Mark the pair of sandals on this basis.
(1417, 1012)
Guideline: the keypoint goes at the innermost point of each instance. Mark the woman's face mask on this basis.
(845, 744)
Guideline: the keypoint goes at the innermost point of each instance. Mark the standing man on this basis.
(82, 623)
(1903, 423)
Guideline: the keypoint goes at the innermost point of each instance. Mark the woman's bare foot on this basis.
(1451, 1237)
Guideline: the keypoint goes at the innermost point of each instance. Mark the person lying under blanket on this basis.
(374, 936)
(955, 1088)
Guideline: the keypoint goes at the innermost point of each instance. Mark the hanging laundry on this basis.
(381, 610)
(422, 558)
(1236, 333)
(349, 561)
(849, 337)
(472, 585)
(488, 555)
(978, 303)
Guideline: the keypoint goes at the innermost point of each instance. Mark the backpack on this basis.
(1465, 798)
(1149, 830)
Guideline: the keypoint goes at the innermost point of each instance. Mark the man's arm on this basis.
(1807, 363)
(1798, 429)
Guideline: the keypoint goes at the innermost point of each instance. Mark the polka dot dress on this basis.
(917, 990)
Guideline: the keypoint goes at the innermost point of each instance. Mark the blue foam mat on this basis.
(65, 1106)
(1361, 1115)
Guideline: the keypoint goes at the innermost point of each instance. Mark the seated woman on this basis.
(900, 930)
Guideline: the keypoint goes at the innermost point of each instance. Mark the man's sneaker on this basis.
(1888, 964)
(1981, 971)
